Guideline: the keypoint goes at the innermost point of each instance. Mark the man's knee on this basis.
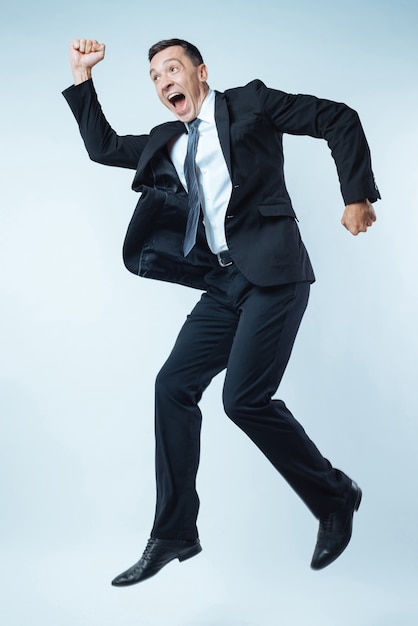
(176, 386)
(243, 405)
(234, 406)
(166, 383)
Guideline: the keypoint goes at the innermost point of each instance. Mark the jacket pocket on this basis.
(281, 208)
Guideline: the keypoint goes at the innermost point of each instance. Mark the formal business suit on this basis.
(249, 315)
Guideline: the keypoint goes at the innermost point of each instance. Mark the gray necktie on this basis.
(192, 187)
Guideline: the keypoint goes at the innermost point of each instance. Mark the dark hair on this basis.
(191, 50)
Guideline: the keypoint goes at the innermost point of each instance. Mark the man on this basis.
(214, 214)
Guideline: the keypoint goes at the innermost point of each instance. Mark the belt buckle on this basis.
(222, 262)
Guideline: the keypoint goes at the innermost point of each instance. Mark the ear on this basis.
(203, 73)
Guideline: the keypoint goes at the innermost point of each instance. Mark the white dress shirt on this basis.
(215, 185)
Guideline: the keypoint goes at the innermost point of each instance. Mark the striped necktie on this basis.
(192, 187)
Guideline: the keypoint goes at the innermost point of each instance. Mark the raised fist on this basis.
(85, 53)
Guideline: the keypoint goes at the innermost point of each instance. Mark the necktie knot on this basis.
(194, 124)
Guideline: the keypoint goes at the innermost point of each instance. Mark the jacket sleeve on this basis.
(103, 144)
(335, 122)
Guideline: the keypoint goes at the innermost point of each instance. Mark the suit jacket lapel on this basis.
(222, 124)
(159, 137)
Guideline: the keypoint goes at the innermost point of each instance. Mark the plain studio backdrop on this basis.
(82, 339)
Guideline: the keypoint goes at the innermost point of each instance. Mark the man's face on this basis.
(181, 86)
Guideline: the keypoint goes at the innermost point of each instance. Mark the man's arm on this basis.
(340, 126)
(103, 144)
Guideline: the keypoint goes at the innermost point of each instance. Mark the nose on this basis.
(165, 82)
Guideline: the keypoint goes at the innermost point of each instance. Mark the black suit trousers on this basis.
(250, 331)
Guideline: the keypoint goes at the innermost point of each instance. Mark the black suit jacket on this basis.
(260, 224)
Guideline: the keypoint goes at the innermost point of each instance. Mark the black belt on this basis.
(224, 258)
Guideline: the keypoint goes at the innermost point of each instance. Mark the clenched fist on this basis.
(84, 54)
(358, 217)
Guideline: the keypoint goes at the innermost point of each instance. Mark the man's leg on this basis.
(200, 352)
(269, 321)
(268, 324)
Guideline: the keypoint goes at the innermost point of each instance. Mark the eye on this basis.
(174, 69)
(155, 78)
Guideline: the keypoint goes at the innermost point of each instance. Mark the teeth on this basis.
(173, 95)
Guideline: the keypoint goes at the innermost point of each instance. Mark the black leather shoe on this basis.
(158, 553)
(334, 532)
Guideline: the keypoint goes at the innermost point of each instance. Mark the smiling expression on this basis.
(181, 86)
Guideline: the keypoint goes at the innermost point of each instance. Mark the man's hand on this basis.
(84, 54)
(358, 217)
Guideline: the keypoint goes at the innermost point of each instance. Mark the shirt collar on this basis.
(207, 110)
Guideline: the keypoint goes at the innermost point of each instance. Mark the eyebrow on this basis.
(165, 63)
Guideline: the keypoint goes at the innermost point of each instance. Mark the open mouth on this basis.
(176, 99)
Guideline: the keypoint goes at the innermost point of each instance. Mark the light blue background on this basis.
(83, 339)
